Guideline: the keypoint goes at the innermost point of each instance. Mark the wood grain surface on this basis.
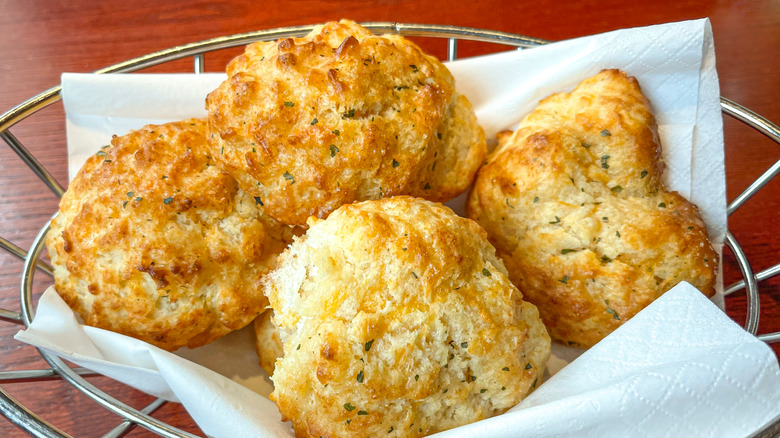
(39, 40)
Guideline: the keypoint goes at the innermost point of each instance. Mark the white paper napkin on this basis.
(642, 384)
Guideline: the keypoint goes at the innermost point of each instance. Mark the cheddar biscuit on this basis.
(397, 317)
(574, 204)
(152, 240)
(341, 115)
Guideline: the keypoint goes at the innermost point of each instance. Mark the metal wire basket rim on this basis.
(52, 95)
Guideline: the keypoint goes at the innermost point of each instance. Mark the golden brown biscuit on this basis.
(574, 203)
(268, 344)
(397, 317)
(152, 240)
(340, 115)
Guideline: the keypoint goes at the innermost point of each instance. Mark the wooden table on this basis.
(42, 39)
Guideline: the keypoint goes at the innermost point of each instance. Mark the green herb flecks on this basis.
(486, 272)
(360, 376)
(605, 133)
(333, 150)
(349, 114)
(564, 279)
(258, 201)
(362, 413)
(643, 174)
(167, 201)
(349, 407)
(314, 121)
(368, 345)
(289, 104)
(289, 177)
(395, 163)
(612, 311)
(528, 366)
(556, 221)
(567, 250)
(617, 189)
(604, 159)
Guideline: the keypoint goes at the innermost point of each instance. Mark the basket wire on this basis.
(36, 426)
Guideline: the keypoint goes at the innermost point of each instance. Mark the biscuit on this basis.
(574, 204)
(152, 240)
(338, 116)
(397, 318)
(268, 344)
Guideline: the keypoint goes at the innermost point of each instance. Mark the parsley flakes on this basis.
(289, 177)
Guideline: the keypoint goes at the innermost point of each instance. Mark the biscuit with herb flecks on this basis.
(341, 115)
(396, 317)
(574, 204)
(154, 241)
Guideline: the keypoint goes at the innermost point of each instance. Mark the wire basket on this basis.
(38, 426)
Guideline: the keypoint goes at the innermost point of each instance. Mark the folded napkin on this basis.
(680, 367)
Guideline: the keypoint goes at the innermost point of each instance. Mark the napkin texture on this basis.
(680, 367)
